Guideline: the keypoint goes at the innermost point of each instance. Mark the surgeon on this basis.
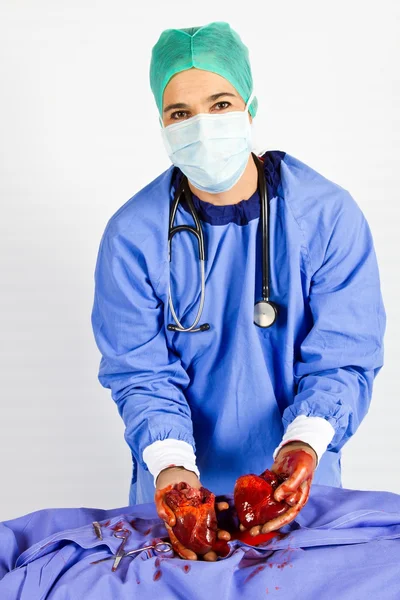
(232, 396)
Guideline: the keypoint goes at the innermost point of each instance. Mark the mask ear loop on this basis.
(257, 148)
(249, 101)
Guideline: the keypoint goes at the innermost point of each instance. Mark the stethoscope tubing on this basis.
(266, 308)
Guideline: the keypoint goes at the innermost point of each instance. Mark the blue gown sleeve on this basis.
(343, 352)
(146, 379)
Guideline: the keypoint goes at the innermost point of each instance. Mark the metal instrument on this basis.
(97, 529)
(160, 548)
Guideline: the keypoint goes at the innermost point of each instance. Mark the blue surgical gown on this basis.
(232, 391)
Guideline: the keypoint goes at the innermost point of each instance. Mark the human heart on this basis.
(254, 498)
(196, 521)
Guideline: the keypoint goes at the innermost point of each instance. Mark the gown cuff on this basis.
(163, 453)
(315, 431)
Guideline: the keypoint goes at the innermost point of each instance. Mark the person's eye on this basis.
(178, 112)
(225, 103)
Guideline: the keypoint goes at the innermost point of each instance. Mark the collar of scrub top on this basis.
(244, 211)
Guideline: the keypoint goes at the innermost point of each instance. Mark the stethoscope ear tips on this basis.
(265, 313)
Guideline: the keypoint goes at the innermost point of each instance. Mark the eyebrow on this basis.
(211, 98)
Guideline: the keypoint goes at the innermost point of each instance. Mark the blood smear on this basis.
(257, 570)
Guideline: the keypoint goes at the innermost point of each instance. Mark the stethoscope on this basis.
(265, 311)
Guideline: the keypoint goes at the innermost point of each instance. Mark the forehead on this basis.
(194, 84)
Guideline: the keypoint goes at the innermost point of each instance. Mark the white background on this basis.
(80, 135)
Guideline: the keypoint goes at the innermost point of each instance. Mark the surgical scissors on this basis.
(120, 552)
(158, 547)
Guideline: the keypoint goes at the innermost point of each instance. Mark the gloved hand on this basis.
(296, 462)
(206, 523)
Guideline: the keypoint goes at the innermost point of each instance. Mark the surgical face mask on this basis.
(211, 150)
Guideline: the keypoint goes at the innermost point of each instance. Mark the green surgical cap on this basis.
(214, 47)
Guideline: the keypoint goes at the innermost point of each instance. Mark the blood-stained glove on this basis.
(190, 518)
(295, 463)
(271, 500)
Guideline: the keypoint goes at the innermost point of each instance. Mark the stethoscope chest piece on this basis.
(265, 313)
